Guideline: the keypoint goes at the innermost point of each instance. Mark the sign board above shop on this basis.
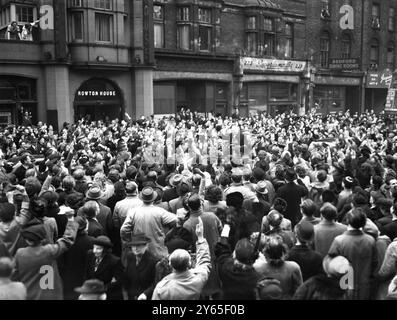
(379, 80)
(345, 64)
(259, 64)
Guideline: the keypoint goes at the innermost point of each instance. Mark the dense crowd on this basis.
(200, 207)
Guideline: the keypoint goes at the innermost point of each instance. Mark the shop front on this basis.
(270, 85)
(333, 94)
(18, 100)
(376, 90)
(98, 99)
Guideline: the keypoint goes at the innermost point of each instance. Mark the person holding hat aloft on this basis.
(172, 193)
(29, 261)
(92, 289)
(151, 220)
(327, 285)
(140, 269)
(186, 282)
(104, 266)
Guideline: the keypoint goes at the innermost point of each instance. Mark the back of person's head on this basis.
(182, 189)
(290, 175)
(90, 209)
(328, 211)
(114, 176)
(274, 218)
(68, 183)
(377, 181)
(275, 250)
(280, 205)
(359, 199)
(356, 218)
(224, 180)
(235, 199)
(131, 173)
(180, 260)
(194, 202)
(32, 186)
(6, 267)
(322, 176)
(214, 194)
(308, 207)
(196, 180)
(7, 212)
(269, 289)
(329, 196)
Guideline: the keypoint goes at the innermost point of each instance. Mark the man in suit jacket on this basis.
(292, 193)
(104, 266)
(141, 269)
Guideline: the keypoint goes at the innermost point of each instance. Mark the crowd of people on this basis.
(201, 207)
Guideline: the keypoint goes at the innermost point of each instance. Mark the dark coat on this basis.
(390, 230)
(292, 193)
(170, 194)
(238, 281)
(109, 268)
(310, 262)
(140, 278)
(95, 229)
(321, 287)
(73, 263)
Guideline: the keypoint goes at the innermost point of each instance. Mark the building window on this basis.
(289, 40)
(390, 56)
(392, 20)
(325, 43)
(268, 37)
(252, 35)
(325, 11)
(103, 4)
(205, 29)
(77, 26)
(158, 17)
(345, 46)
(374, 54)
(184, 28)
(76, 3)
(103, 27)
(24, 14)
(375, 22)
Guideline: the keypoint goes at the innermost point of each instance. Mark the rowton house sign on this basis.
(259, 64)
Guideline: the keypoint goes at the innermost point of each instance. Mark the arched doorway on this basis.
(18, 100)
(98, 99)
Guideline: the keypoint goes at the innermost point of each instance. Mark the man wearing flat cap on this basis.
(151, 220)
(141, 269)
(93, 289)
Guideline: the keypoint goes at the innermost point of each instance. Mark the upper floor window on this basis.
(158, 19)
(325, 44)
(392, 20)
(77, 26)
(205, 29)
(390, 56)
(103, 27)
(289, 40)
(184, 28)
(375, 22)
(24, 14)
(325, 11)
(374, 53)
(345, 46)
(269, 37)
(251, 35)
(103, 4)
(76, 3)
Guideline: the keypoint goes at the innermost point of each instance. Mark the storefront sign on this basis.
(337, 81)
(391, 100)
(379, 80)
(95, 93)
(258, 64)
(345, 64)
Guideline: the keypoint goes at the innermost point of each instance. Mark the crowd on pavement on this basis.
(203, 207)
